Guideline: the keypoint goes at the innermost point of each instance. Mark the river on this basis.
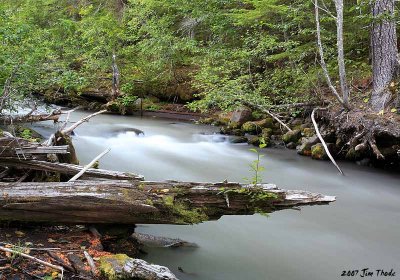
(360, 230)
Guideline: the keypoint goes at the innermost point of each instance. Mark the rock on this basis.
(122, 267)
(159, 241)
(251, 127)
(253, 140)
(308, 132)
(237, 140)
(78, 264)
(225, 130)
(296, 122)
(241, 115)
(352, 155)
(225, 117)
(292, 136)
(267, 132)
(291, 145)
(305, 148)
(265, 123)
(318, 152)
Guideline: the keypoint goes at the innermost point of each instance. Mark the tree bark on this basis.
(340, 50)
(123, 202)
(384, 52)
(68, 169)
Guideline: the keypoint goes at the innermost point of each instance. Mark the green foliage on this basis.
(261, 51)
(26, 134)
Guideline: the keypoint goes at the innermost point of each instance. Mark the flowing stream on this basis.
(360, 230)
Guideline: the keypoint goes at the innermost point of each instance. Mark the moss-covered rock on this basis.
(308, 132)
(304, 149)
(267, 132)
(122, 267)
(291, 145)
(251, 127)
(292, 136)
(318, 152)
(224, 117)
(265, 123)
(253, 140)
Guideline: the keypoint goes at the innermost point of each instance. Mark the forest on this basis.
(321, 77)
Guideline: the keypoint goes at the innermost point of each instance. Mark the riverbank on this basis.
(360, 135)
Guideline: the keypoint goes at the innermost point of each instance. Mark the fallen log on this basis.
(29, 118)
(124, 202)
(68, 169)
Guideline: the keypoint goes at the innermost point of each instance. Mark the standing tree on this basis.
(344, 99)
(384, 52)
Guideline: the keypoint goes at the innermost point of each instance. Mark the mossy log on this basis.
(135, 202)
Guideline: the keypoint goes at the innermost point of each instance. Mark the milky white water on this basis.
(360, 230)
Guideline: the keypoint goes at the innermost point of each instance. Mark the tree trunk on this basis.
(384, 52)
(124, 202)
(340, 49)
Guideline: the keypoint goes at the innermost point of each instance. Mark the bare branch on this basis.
(85, 119)
(89, 165)
(322, 139)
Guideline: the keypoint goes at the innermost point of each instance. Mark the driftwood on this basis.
(30, 117)
(123, 202)
(15, 147)
(322, 139)
(68, 169)
(87, 167)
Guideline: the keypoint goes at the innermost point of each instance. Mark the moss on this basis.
(265, 123)
(149, 202)
(250, 127)
(108, 264)
(318, 152)
(292, 136)
(267, 133)
(183, 214)
(308, 132)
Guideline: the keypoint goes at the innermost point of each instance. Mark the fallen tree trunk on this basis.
(123, 202)
(68, 169)
(8, 119)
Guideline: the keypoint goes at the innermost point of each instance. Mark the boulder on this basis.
(306, 143)
(253, 140)
(120, 266)
(291, 136)
(304, 149)
(318, 152)
(291, 145)
(241, 115)
(266, 132)
(251, 127)
(265, 123)
(238, 139)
